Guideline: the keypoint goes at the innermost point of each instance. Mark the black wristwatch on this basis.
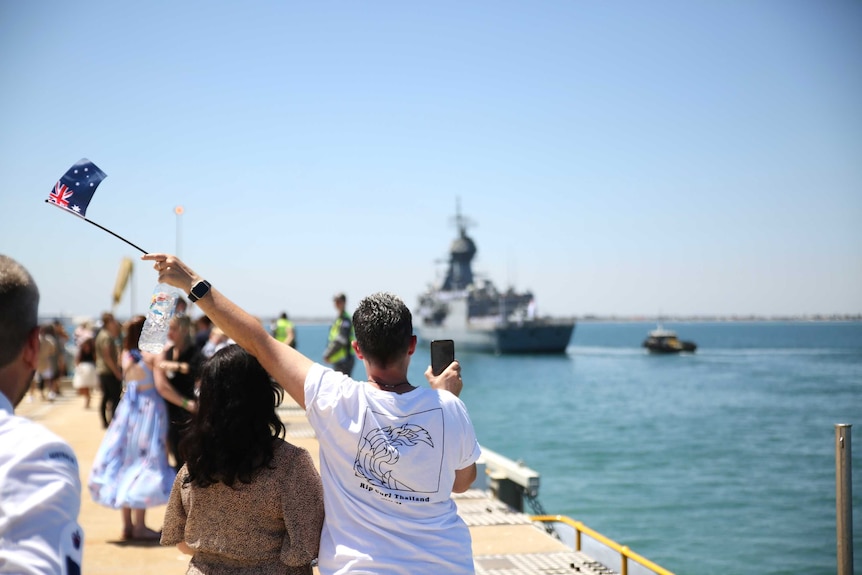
(199, 290)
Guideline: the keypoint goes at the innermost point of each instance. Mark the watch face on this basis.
(200, 289)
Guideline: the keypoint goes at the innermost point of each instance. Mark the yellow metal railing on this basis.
(625, 552)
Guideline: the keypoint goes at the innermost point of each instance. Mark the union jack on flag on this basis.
(76, 188)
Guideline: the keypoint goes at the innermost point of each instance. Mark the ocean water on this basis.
(718, 462)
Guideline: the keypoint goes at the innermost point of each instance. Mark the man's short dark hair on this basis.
(384, 326)
(19, 308)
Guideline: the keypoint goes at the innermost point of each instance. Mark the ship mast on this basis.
(460, 273)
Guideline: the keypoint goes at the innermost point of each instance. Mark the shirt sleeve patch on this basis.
(72, 548)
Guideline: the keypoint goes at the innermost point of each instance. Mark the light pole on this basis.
(179, 212)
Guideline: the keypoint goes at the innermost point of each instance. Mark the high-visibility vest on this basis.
(281, 327)
(334, 331)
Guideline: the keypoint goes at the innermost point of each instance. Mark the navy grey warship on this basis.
(479, 317)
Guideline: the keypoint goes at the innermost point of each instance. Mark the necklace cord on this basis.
(392, 385)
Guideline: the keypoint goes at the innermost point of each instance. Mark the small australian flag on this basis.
(77, 186)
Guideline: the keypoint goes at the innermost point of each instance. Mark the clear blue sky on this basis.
(617, 157)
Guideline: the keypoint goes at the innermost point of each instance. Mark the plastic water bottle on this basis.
(154, 335)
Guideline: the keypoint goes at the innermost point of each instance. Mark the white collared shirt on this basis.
(40, 498)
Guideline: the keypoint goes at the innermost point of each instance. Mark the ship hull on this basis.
(676, 347)
(540, 338)
(526, 338)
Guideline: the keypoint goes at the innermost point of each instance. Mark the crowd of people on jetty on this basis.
(195, 428)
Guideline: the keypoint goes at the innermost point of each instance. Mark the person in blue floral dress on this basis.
(131, 470)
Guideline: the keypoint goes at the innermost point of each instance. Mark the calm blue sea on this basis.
(720, 462)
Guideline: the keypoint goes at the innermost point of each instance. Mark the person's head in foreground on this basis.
(384, 329)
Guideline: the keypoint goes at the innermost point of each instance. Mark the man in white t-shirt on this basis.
(40, 488)
(391, 453)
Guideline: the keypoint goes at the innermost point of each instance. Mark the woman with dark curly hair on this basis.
(246, 501)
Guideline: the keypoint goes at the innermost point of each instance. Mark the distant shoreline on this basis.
(588, 318)
(723, 318)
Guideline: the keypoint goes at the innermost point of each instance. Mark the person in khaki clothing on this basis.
(108, 367)
(46, 365)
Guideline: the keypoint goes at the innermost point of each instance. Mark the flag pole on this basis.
(143, 251)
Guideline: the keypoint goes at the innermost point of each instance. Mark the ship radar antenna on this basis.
(461, 222)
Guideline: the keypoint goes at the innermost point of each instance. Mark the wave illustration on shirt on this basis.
(380, 450)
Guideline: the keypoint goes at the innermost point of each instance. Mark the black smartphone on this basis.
(442, 354)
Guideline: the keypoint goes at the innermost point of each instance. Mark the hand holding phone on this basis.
(442, 354)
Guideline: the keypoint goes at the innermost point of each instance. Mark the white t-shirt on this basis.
(40, 498)
(388, 464)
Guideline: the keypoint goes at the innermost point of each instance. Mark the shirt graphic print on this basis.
(391, 449)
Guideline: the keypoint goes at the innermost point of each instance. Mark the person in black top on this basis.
(181, 362)
(203, 328)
